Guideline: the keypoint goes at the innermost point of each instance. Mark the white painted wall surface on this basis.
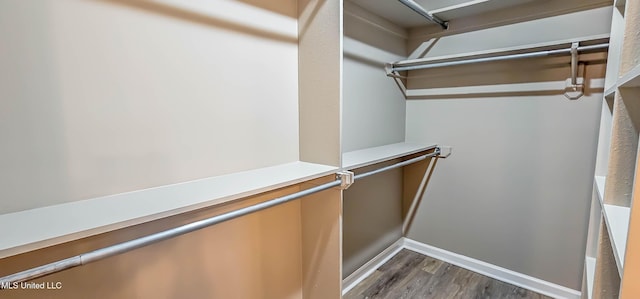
(372, 217)
(103, 97)
(516, 191)
(373, 106)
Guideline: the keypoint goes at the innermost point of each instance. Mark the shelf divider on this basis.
(590, 268)
(600, 185)
(630, 79)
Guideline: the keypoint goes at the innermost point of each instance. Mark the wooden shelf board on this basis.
(590, 268)
(373, 155)
(630, 79)
(600, 184)
(617, 220)
(47, 226)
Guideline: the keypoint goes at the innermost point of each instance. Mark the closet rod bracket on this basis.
(443, 151)
(574, 64)
(388, 69)
(575, 89)
(346, 179)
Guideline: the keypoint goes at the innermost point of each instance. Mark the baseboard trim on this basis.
(363, 272)
(493, 271)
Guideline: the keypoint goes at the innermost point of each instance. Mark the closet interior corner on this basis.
(514, 99)
(297, 149)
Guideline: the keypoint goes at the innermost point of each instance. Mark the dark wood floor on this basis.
(413, 275)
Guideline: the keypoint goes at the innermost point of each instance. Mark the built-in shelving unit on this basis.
(630, 79)
(293, 250)
(608, 273)
(38, 228)
(617, 220)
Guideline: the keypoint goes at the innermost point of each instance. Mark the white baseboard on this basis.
(493, 271)
(363, 272)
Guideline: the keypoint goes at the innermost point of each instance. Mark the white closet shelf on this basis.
(531, 50)
(630, 79)
(590, 266)
(373, 155)
(617, 219)
(600, 184)
(508, 50)
(609, 92)
(47, 226)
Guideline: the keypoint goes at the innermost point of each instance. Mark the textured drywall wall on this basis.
(320, 69)
(372, 217)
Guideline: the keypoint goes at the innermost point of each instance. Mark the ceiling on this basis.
(401, 15)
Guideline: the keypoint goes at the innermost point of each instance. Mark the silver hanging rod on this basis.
(414, 64)
(423, 12)
(113, 250)
(436, 152)
(123, 247)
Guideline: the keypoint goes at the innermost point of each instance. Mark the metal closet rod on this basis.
(123, 247)
(116, 249)
(423, 12)
(398, 67)
(397, 165)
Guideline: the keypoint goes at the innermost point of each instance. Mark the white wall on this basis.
(372, 217)
(103, 97)
(516, 191)
(373, 106)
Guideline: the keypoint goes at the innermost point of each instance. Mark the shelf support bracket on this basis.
(346, 179)
(575, 91)
(574, 64)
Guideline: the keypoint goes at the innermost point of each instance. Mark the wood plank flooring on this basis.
(412, 275)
